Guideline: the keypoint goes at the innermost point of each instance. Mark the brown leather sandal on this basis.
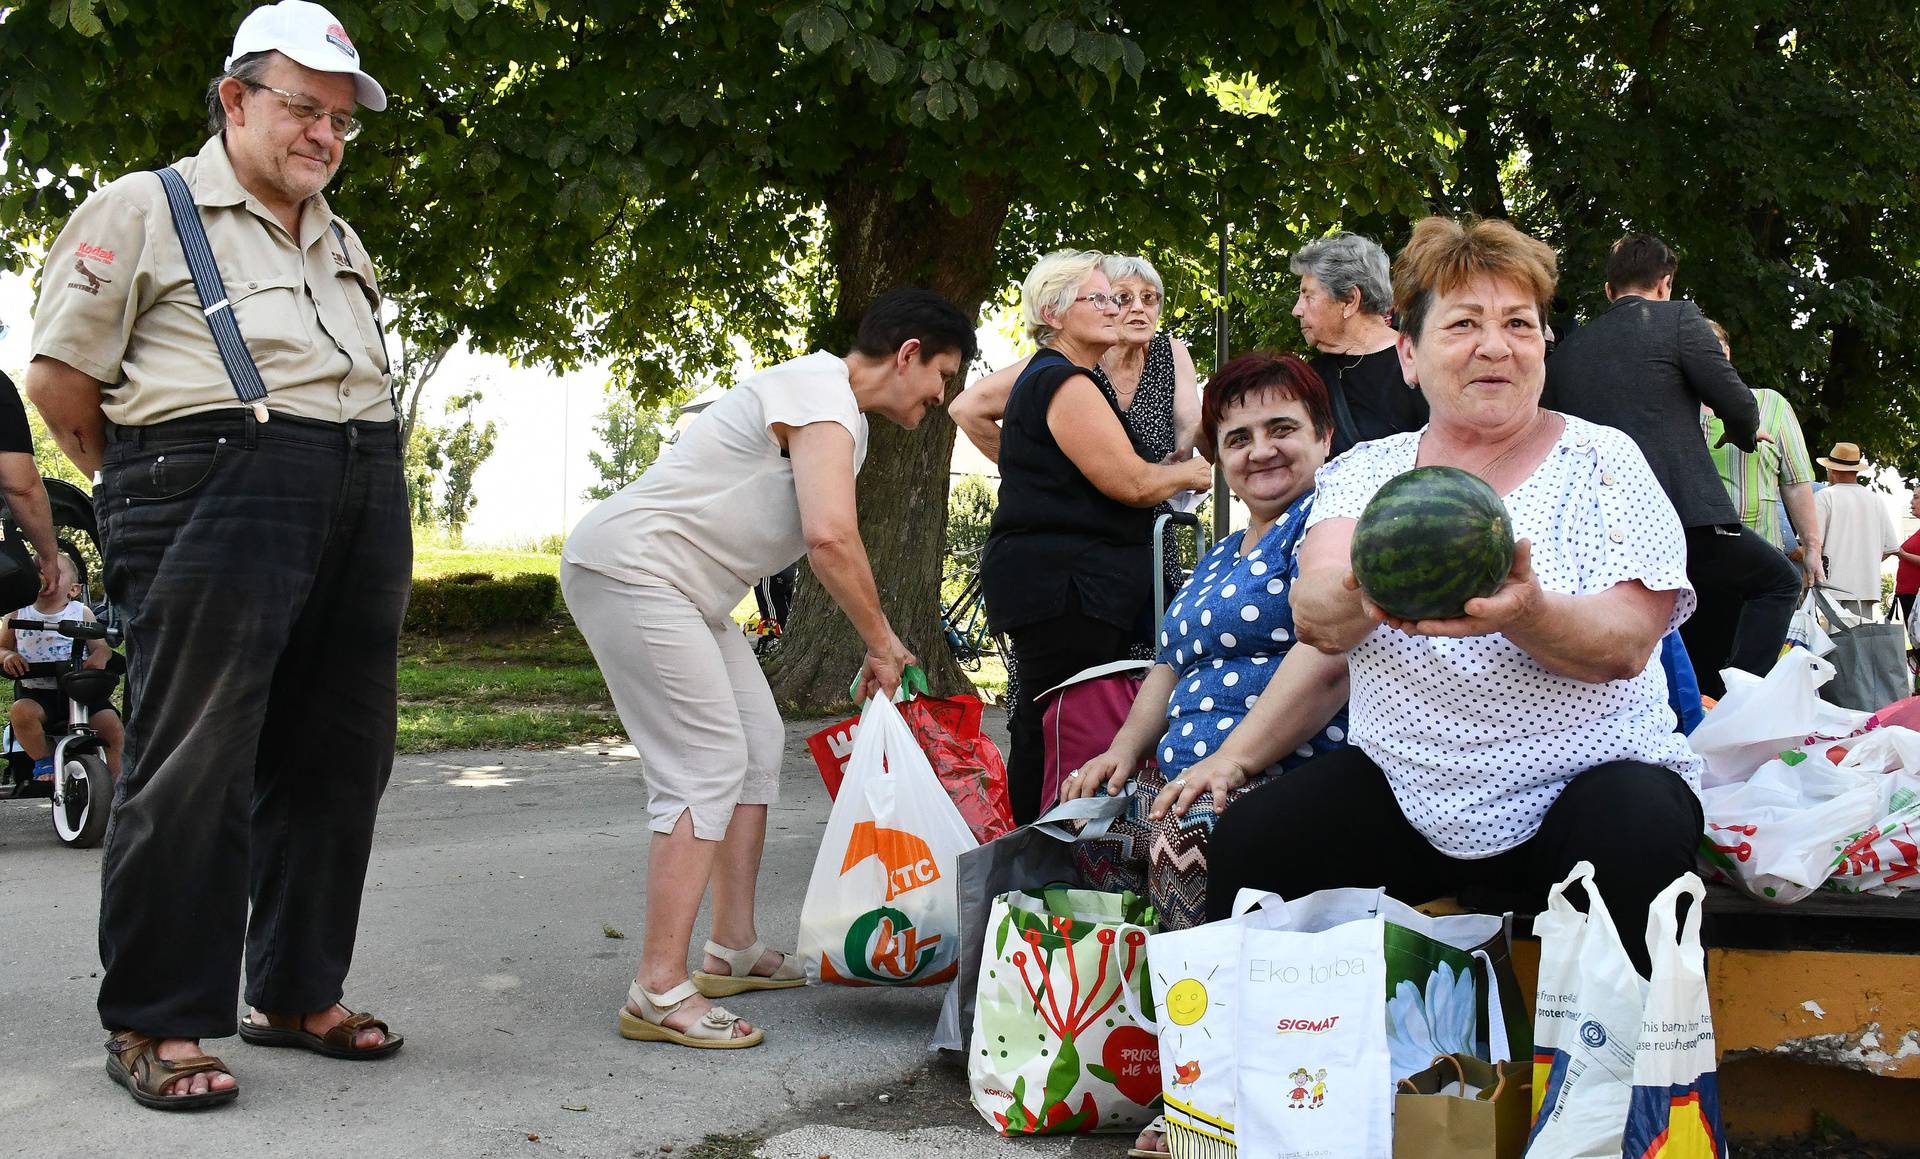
(132, 1063)
(286, 1030)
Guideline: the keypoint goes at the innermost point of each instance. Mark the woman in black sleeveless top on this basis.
(1066, 571)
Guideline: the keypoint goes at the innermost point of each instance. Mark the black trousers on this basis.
(1334, 822)
(1050, 651)
(1748, 592)
(263, 570)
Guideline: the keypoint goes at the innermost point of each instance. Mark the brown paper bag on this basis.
(1462, 1108)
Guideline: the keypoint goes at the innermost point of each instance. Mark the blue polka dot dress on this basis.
(1224, 636)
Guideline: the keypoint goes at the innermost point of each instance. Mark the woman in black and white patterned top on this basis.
(1492, 752)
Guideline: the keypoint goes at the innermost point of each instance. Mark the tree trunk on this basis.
(1852, 360)
(878, 244)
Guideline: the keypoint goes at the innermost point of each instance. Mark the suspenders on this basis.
(241, 370)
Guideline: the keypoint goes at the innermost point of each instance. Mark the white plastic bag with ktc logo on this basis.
(1586, 1028)
(880, 908)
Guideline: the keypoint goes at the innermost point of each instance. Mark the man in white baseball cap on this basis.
(306, 34)
(240, 430)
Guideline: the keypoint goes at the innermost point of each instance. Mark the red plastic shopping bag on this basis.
(963, 757)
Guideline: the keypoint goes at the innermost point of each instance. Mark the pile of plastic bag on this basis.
(1800, 795)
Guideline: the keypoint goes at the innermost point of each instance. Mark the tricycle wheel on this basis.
(81, 817)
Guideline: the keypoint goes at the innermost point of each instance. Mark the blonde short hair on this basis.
(1055, 281)
(1444, 255)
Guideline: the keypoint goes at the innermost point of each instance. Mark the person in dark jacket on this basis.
(1645, 367)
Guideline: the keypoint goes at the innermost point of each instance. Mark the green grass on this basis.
(534, 687)
(432, 560)
(990, 681)
(426, 728)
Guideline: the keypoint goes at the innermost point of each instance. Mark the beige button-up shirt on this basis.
(117, 303)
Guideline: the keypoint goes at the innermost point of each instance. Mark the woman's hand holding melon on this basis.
(1517, 600)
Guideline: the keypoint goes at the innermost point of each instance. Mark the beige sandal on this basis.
(1158, 1126)
(740, 977)
(714, 1031)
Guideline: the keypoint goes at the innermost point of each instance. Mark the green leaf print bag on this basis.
(1062, 1040)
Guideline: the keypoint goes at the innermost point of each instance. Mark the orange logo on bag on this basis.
(908, 859)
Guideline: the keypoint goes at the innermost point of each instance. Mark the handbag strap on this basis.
(1499, 1044)
(1100, 812)
(242, 371)
(1838, 627)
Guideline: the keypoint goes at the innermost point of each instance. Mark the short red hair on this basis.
(1258, 373)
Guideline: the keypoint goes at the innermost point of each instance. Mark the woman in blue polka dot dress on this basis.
(1230, 703)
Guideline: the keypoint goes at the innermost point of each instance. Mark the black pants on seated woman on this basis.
(1334, 822)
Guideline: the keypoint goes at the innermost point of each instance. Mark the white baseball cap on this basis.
(309, 35)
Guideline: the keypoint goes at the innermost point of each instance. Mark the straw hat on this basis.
(1843, 457)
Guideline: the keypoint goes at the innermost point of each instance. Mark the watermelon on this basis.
(1430, 540)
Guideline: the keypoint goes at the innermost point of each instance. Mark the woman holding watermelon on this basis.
(1507, 725)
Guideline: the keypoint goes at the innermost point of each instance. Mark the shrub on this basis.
(475, 601)
(970, 504)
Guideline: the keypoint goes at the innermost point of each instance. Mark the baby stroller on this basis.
(1083, 712)
(81, 789)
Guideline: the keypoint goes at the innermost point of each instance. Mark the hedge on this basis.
(475, 601)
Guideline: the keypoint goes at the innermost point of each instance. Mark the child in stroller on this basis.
(39, 704)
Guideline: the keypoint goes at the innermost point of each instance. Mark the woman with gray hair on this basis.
(1067, 567)
(1346, 298)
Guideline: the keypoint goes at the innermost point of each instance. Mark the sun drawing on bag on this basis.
(1187, 1001)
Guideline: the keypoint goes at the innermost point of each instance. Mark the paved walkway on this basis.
(496, 877)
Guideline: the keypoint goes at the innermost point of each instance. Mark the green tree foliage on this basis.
(970, 505)
(570, 180)
(441, 462)
(1771, 142)
(463, 447)
(631, 434)
(566, 180)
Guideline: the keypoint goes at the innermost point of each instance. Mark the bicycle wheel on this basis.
(80, 819)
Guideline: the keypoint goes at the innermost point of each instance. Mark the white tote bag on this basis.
(1195, 976)
(881, 908)
(1315, 1068)
(1586, 1028)
(1806, 631)
(1675, 1107)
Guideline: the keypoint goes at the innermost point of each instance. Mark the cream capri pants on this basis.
(690, 695)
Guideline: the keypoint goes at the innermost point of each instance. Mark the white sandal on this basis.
(714, 1031)
(740, 977)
